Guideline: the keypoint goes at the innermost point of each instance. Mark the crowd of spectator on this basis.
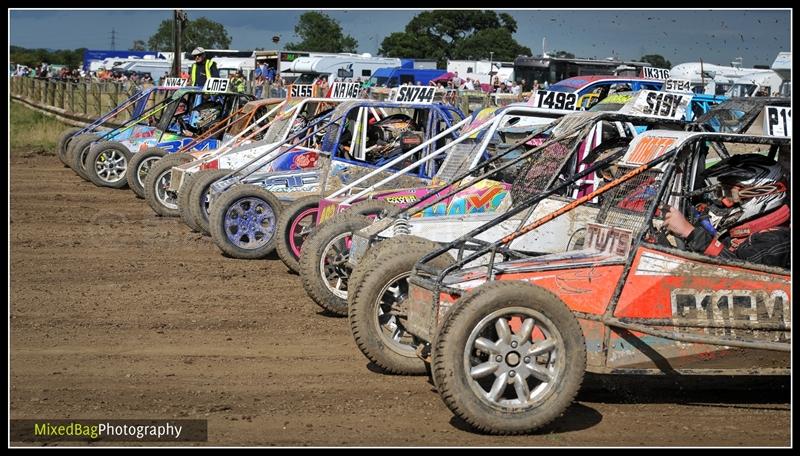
(75, 75)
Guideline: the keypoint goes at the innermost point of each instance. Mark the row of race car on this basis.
(504, 252)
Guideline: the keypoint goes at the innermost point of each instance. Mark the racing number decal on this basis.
(301, 91)
(678, 85)
(174, 82)
(415, 94)
(777, 120)
(662, 104)
(555, 100)
(216, 85)
(655, 73)
(647, 149)
(345, 90)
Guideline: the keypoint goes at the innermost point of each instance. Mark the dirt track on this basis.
(116, 313)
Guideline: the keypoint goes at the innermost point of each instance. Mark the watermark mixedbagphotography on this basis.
(109, 430)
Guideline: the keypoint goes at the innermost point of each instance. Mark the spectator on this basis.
(516, 89)
(468, 85)
(535, 85)
(203, 68)
(238, 82)
(457, 81)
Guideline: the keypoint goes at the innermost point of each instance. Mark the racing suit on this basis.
(765, 240)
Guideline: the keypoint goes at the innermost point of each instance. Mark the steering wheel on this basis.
(659, 235)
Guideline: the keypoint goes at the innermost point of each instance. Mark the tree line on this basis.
(438, 35)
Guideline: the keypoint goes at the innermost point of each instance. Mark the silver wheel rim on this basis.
(144, 168)
(110, 166)
(389, 313)
(333, 266)
(165, 197)
(511, 370)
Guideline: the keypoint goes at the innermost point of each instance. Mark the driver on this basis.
(182, 124)
(754, 221)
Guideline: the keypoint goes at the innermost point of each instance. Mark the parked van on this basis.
(761, 84)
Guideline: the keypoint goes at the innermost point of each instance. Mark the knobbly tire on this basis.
(197, 205)
(243, 220)
(106, 164)
(157, 181)
(139, 167)
(77, 150)
(333, 236)
(183, 202)
(292, 232)
(502, 327)
(379, 335)
(63, 142)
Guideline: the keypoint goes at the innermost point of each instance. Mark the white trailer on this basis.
(783, 66)
(483, 70)
(765, 83)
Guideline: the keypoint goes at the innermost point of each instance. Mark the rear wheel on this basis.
(377, 311)
(63, 143)
(183, 202)
(139, 167)
(156, 186)
(509, 357)
(199, 199)
(106, 164)
(243, 221)
(324, 265)
(76, 153)
(295, 224)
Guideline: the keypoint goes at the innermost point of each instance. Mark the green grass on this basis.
(33, 131)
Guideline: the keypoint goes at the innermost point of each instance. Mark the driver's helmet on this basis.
(181, 109)
(751, 185)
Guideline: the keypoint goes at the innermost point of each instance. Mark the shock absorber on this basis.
(401, 225)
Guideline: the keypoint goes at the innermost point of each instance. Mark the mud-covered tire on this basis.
(474, 323)
(391, 263)
(336, 230)
(139, 167)
(107, 164)
(198, 208)
(77, 150)
(157, 180)
(183, 202)
(243, 222)
(291, 232)
(63, 143)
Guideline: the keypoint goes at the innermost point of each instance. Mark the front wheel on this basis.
(509, 357)
(77, 149)
(376, 304)
(243, 221)
(198, 198)
(139, 167)
(106, 164)
(156, 186)
(295, 224)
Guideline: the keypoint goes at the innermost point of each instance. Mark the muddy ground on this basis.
(117, 313)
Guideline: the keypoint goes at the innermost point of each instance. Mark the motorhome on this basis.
(712, 79)
(482, 70)
(761, 84)
(783, 66)
(156, 67)
(342, 67)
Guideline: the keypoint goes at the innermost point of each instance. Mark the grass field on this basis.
(33, 131)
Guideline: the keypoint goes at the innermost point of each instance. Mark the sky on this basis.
(716, 36)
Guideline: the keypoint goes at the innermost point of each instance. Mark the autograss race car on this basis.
(169, 125)
(240, 128)
(293, 119)
(509, 341)
(245, 206)
(327, 267)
